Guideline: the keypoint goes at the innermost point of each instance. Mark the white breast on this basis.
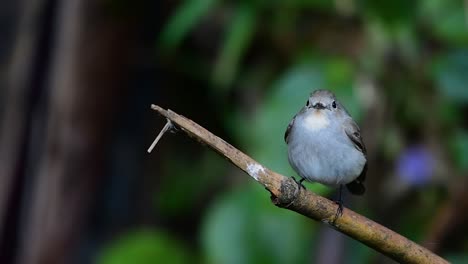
(316, 121)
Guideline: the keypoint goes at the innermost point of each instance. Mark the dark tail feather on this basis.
(356, 187)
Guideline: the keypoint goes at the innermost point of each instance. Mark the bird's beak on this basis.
(318, 106)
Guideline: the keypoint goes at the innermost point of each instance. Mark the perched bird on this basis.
(325, 145)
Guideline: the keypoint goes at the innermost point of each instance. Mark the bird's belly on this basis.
(328, 161)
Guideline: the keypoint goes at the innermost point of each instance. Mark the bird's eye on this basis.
(334, 104)
(307, 103)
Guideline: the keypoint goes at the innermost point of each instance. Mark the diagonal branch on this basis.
(285, 193)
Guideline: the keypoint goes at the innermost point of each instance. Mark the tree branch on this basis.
(285, 193)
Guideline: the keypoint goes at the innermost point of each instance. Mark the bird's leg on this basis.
(339, 202)
(297, 190)
(299, 183)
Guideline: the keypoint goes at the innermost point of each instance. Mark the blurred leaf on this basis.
(407, 40)
(358, 253)
(378, 42)
(237, 39)
(459, 146)
(187, 15)
(392, 143)
(457, 258)
(449, 113)
(145, 246)
(391, 12)
(325, 5)
(446, 19)
(199, 173)
(244, 227)
(338, 73)
(451, 76)
(415, 210)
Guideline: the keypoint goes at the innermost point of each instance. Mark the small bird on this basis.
(325, 145)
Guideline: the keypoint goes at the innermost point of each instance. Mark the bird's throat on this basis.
(316, 121)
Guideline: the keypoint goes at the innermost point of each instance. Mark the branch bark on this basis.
(286, 194)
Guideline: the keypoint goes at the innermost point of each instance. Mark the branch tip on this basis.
(165, 128)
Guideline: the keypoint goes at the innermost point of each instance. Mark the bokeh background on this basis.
(77, 78)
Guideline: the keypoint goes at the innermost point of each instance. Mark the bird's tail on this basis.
(356, 187)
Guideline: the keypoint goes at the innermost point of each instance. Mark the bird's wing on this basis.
(286, 134)
(354, 134)
(291, 124)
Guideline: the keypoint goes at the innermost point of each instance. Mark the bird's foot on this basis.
(297, 190)
(339, 210)
(299, 183)
(339, 202)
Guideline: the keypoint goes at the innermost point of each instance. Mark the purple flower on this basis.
(415, 165)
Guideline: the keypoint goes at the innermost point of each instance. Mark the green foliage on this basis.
(358, 253)
(457, 258)
(451, 76)
(416, 54)
(145, 247)
(189, 13)
(244, 227)
(446, 19)
(449, 113)
(460, 150)
(238, 37)
(390, 12)
(188, 181)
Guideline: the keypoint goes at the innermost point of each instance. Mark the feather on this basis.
(354, 134)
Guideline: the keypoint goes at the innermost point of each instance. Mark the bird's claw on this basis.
(339, 210)
(299, 183)
(298, 190)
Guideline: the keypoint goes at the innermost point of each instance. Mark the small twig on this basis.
(165, 128)
(284, 193)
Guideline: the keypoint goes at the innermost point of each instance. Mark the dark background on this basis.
(77, 79)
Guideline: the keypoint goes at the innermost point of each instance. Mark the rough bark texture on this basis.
(285, 193)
